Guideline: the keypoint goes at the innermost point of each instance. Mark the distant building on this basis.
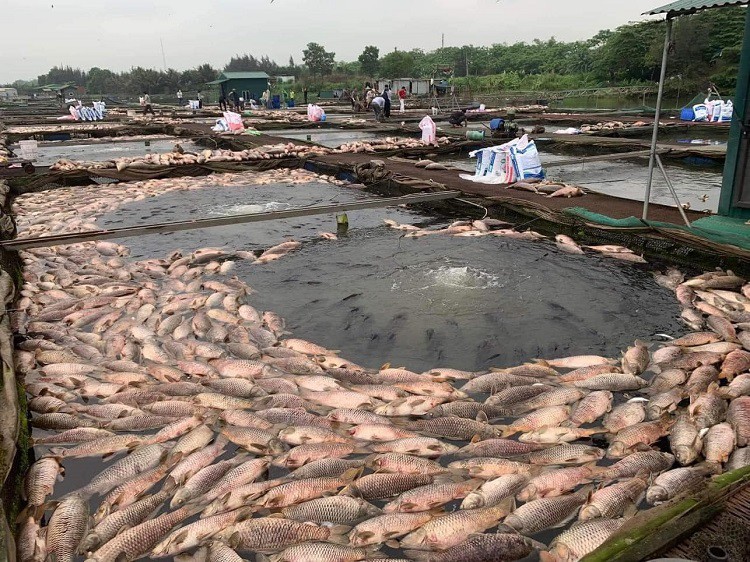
(8, 94)
(68, 90)
(414, 86)
(286, 79)
(249, 85)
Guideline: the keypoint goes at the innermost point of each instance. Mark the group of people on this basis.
(380, 103)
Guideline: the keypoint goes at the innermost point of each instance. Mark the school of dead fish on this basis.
(264, 152)
(223, 436)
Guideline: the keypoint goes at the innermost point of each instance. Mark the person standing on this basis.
(304, 93)
(402, 98)
(378, 107)
(179, 98)
(234, 102)
(222, 101)
(199, 97)
(290, 101)
(147, 105)
(386, 95)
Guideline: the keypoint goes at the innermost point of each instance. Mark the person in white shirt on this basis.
(179, 98)
(147, 104)
(378, 107)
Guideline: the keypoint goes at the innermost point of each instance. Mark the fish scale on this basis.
(67, 527)
(583, 537)
(342, 510)
(267, 533)
(137, 541)
(541, 514)
(447, 531)
(141, 459)
(611, 501)
(129, 516)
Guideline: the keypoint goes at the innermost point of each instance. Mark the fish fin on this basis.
(541, 362)
(407, 506)
(545, 556)
(476, 438)
(234, 540)
(170, 484)
(392, 543)
(482, 416)
(505, 431)
(567, 520)
(352, 474)
(365, 534)
(630, 510)
(58, 452)
(352, 491)
(339, 534)
(369, 461)
(416, 555)
(385, 366)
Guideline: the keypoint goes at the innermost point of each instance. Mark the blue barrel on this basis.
(276, 102)
(687, 114)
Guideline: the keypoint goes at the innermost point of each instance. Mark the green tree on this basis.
(318, 60)
(369, 60)
(398, 64)
(103, 81)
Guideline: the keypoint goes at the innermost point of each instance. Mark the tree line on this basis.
(706, 49)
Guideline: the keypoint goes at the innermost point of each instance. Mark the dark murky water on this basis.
(327, 137)
(467, 303)
(222, 201)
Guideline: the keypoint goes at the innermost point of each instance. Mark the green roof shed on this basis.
(247, 84)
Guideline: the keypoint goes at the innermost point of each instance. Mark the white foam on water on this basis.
(464, 278)
(246, 209)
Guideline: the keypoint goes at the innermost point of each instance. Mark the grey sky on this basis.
(118, 34)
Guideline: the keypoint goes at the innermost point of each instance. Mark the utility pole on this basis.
(163, 56)
(442, 43)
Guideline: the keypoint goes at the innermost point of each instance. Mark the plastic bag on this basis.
(315, 113)
(493, 167)
(727, 110)
(525, 159)
(221, 126)
(234, 121)
(429, 130)
(701, 112)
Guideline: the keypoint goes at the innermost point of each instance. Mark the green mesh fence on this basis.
(715, 229)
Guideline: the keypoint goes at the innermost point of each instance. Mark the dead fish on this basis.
(581, 539)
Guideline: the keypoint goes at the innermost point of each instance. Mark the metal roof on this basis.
(243, 75)
(685, 7)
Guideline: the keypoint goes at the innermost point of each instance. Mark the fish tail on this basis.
(339, 534)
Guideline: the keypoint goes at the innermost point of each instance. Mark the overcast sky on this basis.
(118, 34)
